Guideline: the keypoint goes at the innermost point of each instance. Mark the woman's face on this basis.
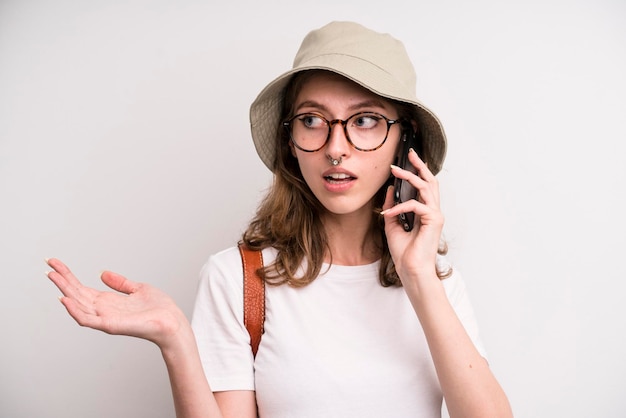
(346, 188)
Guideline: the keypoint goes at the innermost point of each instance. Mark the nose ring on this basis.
(335, 162)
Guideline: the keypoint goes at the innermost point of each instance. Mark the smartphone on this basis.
(403, 190)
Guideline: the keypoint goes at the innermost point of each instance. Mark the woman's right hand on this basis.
(138, 310)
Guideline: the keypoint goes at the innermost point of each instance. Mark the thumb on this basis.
(118, 282)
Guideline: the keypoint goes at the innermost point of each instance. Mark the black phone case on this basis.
(403, 190)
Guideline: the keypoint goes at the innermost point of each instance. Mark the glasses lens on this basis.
(367, 130)
(309, 131)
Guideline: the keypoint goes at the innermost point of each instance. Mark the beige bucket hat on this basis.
(374, 60)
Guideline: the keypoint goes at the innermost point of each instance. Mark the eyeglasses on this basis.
(365, 131)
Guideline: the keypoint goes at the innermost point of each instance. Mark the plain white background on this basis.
(124, 145)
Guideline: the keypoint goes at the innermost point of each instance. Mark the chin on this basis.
(347, 210)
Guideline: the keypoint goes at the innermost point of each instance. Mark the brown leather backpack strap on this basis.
(253, 295)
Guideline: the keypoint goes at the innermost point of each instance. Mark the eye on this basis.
(312, 121)
(366, 120)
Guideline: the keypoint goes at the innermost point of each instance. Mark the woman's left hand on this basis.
(415, 253)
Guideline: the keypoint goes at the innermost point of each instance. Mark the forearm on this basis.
(192, 394)
(469, 387)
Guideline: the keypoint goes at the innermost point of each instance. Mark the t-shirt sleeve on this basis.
(217, 322)
(459, 299)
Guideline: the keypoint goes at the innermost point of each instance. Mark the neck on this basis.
(351, 240)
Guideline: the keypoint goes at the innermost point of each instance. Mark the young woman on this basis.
(363, 319)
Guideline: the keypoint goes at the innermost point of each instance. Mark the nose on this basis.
(337, 146)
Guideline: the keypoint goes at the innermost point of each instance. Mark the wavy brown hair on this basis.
(289, 217)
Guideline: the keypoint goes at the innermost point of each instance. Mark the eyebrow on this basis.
(365, 103)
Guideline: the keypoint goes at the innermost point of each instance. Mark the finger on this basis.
(425, 188)
(64, 271)
(70, 286)
(82, 318)
(391, 210)
(387, 205)
(425, 173)
(424, 214)
(412, 205)
(61, 283)
(58, 280)
(118, 282)
(406, 175)
(81, 296)
(420, 165)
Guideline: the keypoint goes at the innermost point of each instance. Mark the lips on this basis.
(338, 178)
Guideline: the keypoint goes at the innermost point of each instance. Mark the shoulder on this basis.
(225, 260)
(221, 280)
(220, 290)
(226, 265)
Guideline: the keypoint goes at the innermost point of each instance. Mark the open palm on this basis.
(135, 309)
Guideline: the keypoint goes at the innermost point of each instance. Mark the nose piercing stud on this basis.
(335, 162)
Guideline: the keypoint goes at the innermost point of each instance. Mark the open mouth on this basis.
(338, 178)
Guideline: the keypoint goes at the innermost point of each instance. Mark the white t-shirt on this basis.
(343, 346)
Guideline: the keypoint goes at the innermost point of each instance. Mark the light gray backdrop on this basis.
(124, 145)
